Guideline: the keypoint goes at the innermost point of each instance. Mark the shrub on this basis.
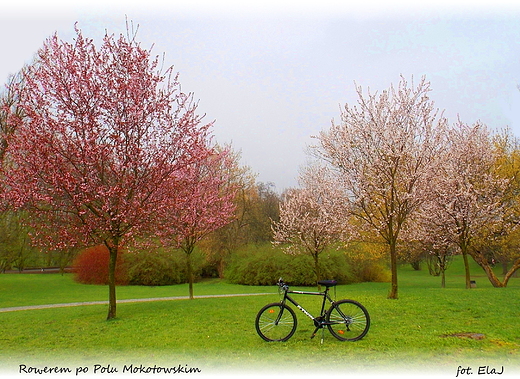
(156, 268)
(159, 267)
(162, 267)
(91, 266)
(264, 265)
(366, 262)
(369, 271)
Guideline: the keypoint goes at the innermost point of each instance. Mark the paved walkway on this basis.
(78, 304)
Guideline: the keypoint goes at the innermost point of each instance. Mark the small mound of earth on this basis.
(475, 336)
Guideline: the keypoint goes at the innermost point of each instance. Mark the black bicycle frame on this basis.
(325, 295)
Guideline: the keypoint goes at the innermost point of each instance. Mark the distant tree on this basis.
(15, 246)
(11, 113)
(507, 148)
(439, 259)
(436, 248)
(311, 217)
(470, 206)
(385, 150)
(103, 139)
(266, 209)
(203, 203)
(221, 243)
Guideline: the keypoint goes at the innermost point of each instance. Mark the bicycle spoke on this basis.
(272, 326)
(286, 321)
(348, 320)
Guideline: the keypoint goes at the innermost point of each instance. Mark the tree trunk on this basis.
(493, 279)
(443, 280)
(512, 271)
(491, 275)
(466, 267)
(393, 268)
(112, 281)
(221, 267)
(416, 265)
(317, 269)
(189, 272)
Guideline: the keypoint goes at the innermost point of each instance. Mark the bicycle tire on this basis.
(267, 326)
(348, 320)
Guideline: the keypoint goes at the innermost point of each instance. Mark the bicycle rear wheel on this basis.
(348, 320)
(275, 322)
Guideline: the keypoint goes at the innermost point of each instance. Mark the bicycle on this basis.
(347, 320)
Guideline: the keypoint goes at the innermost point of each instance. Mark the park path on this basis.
(78, 304)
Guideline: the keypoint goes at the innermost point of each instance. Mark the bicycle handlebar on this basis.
(282, 284)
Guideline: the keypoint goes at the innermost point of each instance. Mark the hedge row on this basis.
(157, 268)
(263, 265)
(254, 265)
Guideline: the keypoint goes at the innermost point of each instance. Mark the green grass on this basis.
(36, 289)
(215, 333)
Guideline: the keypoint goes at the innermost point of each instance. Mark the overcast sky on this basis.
(274, 74)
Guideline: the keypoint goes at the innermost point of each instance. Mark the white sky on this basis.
(274, 73)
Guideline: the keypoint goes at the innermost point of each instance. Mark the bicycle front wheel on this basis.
(275, 322)
(348, 320)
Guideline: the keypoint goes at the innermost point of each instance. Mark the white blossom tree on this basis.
(470, 204)
(385, 150)
(311, 217)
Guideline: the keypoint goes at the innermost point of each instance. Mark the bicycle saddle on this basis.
(328, 283)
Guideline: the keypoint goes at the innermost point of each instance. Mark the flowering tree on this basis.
(385, 151)
(433, 240)
(202, 204)
(311, 217)
(469, 206)
(222, 242)
(105, 134)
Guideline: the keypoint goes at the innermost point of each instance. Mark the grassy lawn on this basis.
(218, 333)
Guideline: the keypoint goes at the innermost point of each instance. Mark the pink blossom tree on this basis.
(202, 204)
(312, 216)
(104, 138)
(385, 150)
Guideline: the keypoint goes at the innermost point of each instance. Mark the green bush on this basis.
(155, 268)
(264, 265)
(162, 267)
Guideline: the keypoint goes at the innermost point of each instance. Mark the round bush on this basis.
(157, 268)
(91, 266)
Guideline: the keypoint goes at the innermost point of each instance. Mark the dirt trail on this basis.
(78, 304)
